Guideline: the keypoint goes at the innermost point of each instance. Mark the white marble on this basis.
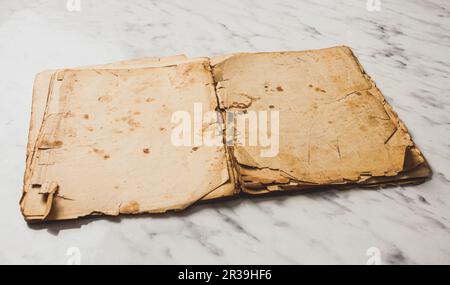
(405, 47)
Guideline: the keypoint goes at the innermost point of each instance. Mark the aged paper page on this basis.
(44, 82)
(104, 146)
(334, 125)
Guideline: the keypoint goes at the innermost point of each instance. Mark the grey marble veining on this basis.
(405, 47)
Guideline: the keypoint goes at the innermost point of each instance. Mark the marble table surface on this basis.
(404, 46)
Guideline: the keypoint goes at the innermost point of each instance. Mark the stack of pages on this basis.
(159, 134)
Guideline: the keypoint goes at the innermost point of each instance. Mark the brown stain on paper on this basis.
(51, 144)
(131, 207)
(105, 99)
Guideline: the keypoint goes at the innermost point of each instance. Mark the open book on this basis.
(159, 134)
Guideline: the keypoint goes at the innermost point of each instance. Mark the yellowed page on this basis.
(44, 81)
(104, 146)
(334, 125)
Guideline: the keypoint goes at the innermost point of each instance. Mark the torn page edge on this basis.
(229, 150)
(45, 193)
(29, 167)
(389, 110)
